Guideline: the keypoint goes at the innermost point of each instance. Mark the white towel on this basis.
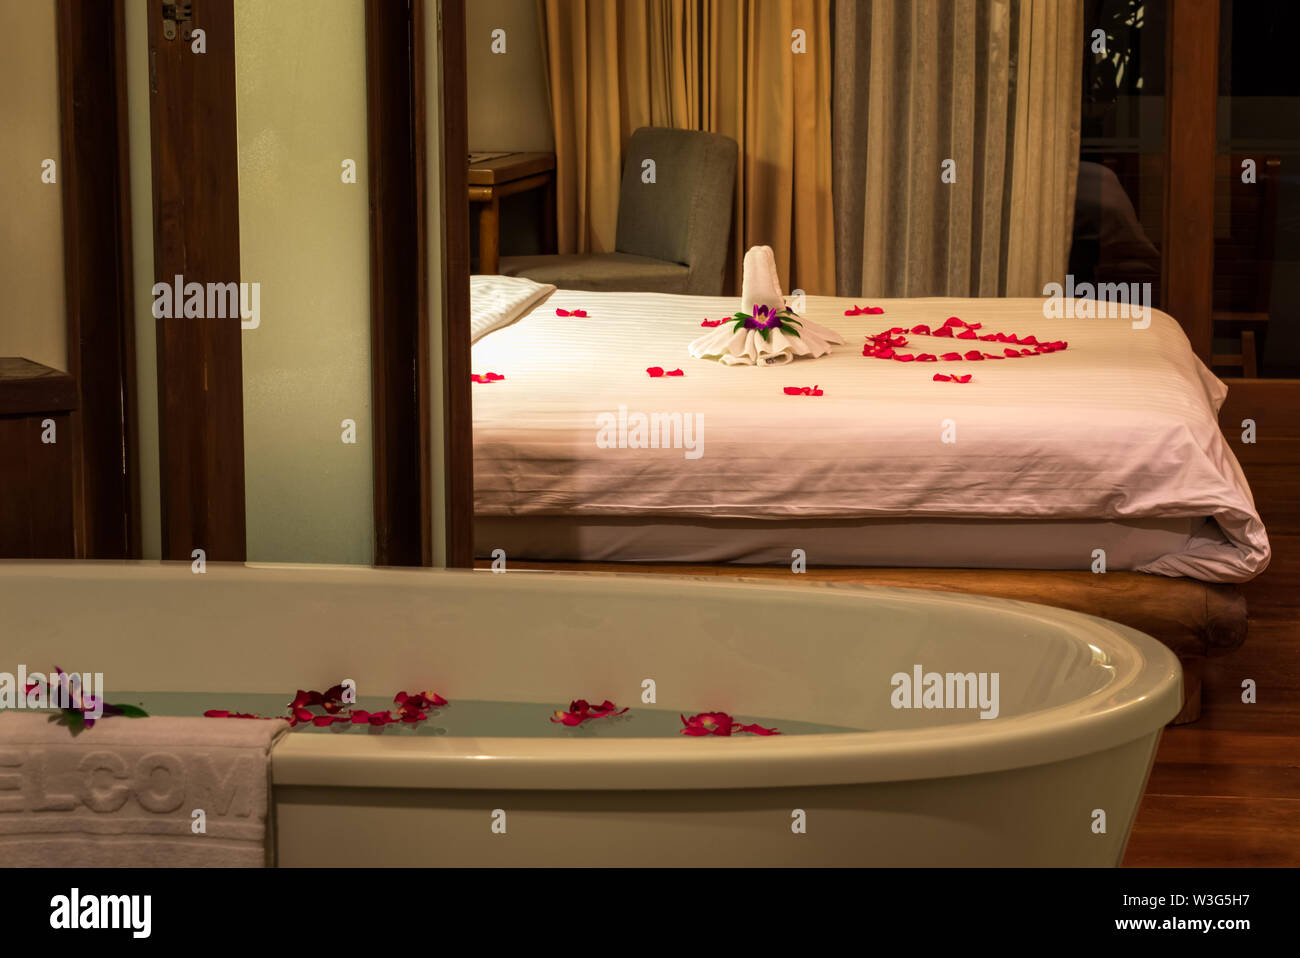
(497, 301)
(125, 792)
(761, 286)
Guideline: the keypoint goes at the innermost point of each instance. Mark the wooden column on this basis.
(196, 235)
(1191, 89)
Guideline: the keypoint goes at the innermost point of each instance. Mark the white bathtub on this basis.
(1082, 705)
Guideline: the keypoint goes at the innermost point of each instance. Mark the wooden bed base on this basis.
(1194, 619)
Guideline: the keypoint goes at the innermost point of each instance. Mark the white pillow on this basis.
(497, 301)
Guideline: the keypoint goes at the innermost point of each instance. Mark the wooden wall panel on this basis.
(1191, 90)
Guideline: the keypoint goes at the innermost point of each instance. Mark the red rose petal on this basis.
(655, 371)
(951, 357)
(713, 322)
(921, 330)
(966, 334)
(674, 372)
(974, 355)
(757, 730)
(943, 331)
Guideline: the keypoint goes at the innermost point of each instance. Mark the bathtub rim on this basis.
(1150, 690)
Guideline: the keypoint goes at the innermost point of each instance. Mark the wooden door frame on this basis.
(399, 308)
(399, 273)
(94, 173)
(201, 431)
(457, 403)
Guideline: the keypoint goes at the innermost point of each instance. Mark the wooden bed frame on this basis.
(1194, 619)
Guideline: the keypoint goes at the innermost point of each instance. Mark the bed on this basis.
(1104, 456)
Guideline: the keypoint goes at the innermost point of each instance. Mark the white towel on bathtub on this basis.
(125, 792)
(761, 286)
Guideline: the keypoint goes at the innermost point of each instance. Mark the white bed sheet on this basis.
(1120, 425)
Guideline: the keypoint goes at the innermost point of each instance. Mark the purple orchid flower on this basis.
(763, 317)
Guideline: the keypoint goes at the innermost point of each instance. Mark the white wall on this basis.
(146, 340)
(33, 315)
(304, 235)
(508, 104)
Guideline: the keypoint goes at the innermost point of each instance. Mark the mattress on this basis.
(899, 543)
(1121, 426)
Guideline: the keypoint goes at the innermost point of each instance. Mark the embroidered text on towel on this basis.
(103, 781)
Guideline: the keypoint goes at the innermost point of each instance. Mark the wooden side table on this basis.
(496, 175)
(37, 476)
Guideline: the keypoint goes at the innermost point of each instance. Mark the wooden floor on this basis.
(1226, 791)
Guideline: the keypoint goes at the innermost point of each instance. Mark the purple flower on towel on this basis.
(764, 319)
(80, 710)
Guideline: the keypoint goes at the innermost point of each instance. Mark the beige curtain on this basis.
(725, 66)
(988, 90)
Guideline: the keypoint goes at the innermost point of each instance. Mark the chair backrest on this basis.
(684, 215)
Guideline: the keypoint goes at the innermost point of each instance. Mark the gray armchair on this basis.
(673, 234)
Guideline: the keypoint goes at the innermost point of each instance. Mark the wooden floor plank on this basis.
(1192, 831)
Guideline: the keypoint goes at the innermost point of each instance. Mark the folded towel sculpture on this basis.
(138, 792)
(765, 332)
